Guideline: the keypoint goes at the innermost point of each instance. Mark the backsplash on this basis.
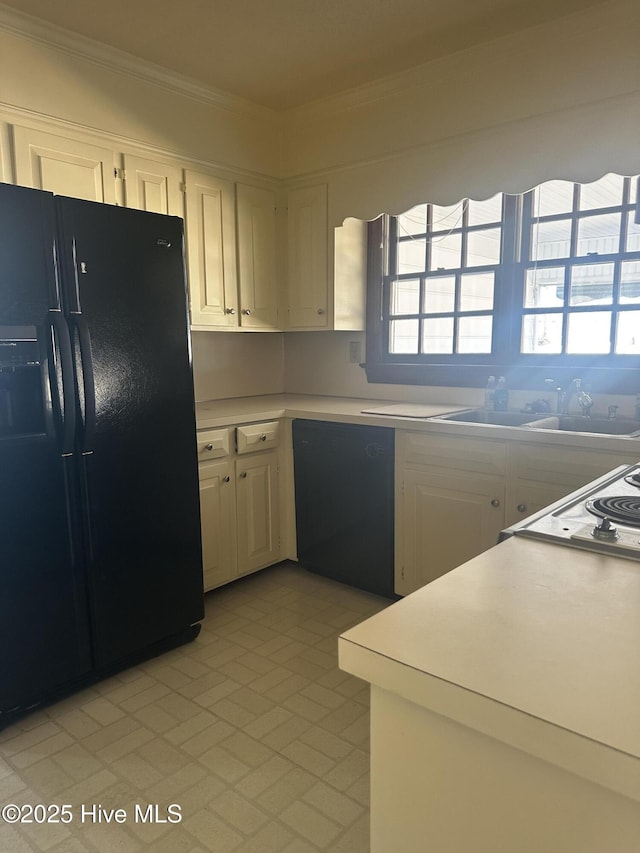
(237, 364)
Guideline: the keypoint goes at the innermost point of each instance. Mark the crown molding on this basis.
(578, 25)
(42, 32)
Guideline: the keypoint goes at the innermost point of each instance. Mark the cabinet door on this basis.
(218, 521)
(308, 284)
(211, 251)
(257, 511)
(443, 521)
(64, 166)
(153, 186)
(257, 257)
(539, 475)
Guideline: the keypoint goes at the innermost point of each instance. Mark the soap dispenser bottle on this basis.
(489, 393)
(501, 396)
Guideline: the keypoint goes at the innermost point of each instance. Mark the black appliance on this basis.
(100, 555)
(344, 502)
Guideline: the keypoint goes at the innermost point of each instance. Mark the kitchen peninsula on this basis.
(505, 700)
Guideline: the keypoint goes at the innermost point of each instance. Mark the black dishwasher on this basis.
(344, 502)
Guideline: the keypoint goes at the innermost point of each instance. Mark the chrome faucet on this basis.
(564, 396)
(584, 400)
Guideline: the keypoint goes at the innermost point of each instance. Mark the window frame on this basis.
(605, 373)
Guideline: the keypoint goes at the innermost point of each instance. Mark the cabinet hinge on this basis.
(182, 187)
(119, 173)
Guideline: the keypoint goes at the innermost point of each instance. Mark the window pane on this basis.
(411, 256)
(437, 335)
(553, 197)
(403, 336)
(483, 247)
(476, 292)
(483, 212)
(551, 240)
(414, 221)
(474, 334)
(439, 294)
(446, 252)
(599, 234)
(541, 333)
(405, 296)
(592, 283)
(630, 281)
(635, 181)
(633, 236)
(589, 333)
(544, 287)
(607, 192)
(445, 218)
(628, 337)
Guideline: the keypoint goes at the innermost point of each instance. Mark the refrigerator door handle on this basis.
(88, 381)
(62, 378)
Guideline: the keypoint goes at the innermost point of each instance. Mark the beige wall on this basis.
(53, 81)
(558, 100)
(228, 364)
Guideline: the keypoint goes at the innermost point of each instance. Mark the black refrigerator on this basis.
(100, 553)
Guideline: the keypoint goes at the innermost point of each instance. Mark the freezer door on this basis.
(126, 300)
(44, 635)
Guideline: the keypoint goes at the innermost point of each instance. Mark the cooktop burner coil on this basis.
(621, 508)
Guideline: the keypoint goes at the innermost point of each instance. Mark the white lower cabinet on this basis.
(239, 502)
(539, 475)
(455, 494)
(450, 494)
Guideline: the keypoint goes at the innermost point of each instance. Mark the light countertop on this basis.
(532, 643)
(406, 416)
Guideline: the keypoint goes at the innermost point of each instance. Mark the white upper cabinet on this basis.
(211, 251)
(64, 166)
(308, 252)
(256, 210)
(153, 186)
(326, 267)
(231, 253)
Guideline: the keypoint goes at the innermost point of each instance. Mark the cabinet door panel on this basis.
(153, 186)
(256, 258)
(218, 521)
(308, 290)
(257, 511)
(211, 250)
(64, 166)
(442, 523)
(540, 475)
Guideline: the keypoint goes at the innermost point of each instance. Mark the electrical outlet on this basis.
(355, 352)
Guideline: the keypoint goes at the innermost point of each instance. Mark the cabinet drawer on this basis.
(472, 455)
(213, 444)
(255, 437)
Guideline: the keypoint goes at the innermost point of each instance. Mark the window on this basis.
(518, 285)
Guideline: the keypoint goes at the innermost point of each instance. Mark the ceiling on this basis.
(283, 53)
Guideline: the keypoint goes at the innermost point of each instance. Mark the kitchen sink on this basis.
(563, 423)
(599, 426)
(482, 416)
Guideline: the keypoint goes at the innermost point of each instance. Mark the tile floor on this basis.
(252, 730)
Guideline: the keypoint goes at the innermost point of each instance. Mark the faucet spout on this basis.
(584, 400)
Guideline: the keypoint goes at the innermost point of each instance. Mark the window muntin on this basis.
(440, 296)
(564, 294)
(576, 240)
